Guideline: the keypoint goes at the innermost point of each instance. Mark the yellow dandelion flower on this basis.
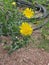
(14, 3)
(28, 12)
(26, 29)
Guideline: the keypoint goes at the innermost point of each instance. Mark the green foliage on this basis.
(10, 19)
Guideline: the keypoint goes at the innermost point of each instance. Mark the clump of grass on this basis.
(10, 20)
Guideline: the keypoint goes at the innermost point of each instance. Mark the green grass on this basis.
(44, 42)
(11, 18)
(44, 45)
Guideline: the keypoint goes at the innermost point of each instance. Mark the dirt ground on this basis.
(25, 56)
